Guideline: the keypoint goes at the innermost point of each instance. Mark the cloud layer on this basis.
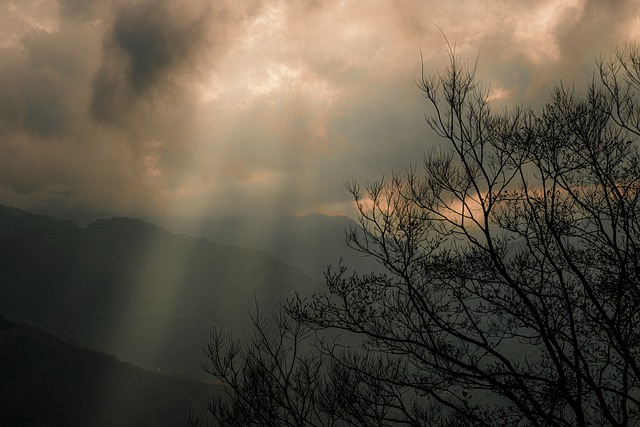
(161, 108)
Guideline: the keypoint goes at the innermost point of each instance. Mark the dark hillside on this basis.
(45, 381)
(132, 289)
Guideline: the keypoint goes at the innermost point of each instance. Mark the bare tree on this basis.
(274, 380)
(512, 292)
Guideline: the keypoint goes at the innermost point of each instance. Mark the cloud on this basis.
(153, 106)
(83, 9)
(33, 101)
(148, 47)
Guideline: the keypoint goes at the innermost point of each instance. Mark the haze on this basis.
(163, 109)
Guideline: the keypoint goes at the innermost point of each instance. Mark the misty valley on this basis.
(144, 296)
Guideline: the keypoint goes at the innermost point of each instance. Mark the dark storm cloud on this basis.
(43, 82)
(34, 102)
(150, 43)
(154, 41)
(43, 73)
(45, 112)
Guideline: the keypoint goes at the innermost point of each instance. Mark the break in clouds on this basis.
(162, 108)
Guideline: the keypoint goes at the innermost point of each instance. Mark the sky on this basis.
(194, 108)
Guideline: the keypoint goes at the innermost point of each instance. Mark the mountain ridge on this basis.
(133, 289)
(45, 380)
(310, 242)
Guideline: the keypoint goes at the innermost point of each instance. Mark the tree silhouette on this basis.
(512, 290)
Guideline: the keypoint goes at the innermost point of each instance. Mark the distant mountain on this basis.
(45, 381)
(310, 243)
(130, 288)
